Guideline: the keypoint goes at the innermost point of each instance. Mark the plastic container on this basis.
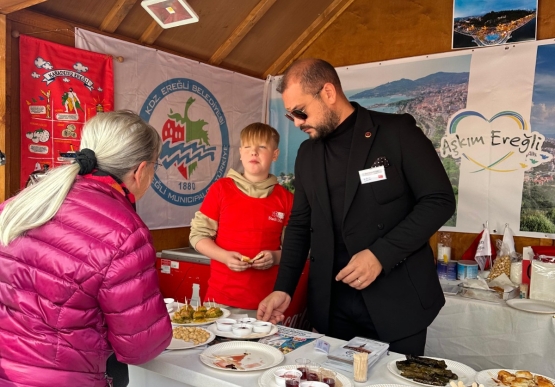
(261, 327)
(225, 324)
(447, 270)
(241, 330)
(280, 375)
(467, 269)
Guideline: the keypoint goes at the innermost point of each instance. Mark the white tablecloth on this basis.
(184, 368)
(486, 335)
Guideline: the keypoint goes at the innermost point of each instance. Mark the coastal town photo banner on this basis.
(479, 23)
(490, 114)
(199, 111)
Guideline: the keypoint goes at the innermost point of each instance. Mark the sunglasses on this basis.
(299, 113)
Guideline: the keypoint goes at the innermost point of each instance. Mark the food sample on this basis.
(426, 370)
(522, 379)
(187, 314)
(195, 335)
(244, 258)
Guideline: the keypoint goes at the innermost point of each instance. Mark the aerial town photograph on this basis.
(489, 23)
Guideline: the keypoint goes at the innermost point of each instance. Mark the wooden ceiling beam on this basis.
(241, 31)
(44, 23)
(151, 33)
(9, 6)
(318, 26)
(116, 15)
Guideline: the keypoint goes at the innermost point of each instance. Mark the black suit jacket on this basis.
(394, 218)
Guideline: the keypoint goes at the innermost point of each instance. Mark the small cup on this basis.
(279, 375)
(292, 378)
(329, 377)
(314, 373)
(302, 365)
(225, 324)
(241, 330)
(261, 327)
(246, 320)
(169, 300)
(313, 384)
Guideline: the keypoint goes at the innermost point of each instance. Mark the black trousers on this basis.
(349, 317)
(118, 371)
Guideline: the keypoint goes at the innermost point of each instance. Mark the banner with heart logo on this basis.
(490, 114)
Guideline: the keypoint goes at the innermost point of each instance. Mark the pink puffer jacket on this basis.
(76, 289)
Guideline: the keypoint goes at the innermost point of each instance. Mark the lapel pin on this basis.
(367, 134)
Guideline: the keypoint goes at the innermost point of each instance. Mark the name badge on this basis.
(372, 174)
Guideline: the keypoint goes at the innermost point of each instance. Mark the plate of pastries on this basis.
(513, 378)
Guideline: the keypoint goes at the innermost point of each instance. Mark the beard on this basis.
(330, 121)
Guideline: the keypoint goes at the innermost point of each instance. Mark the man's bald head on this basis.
(311, 74)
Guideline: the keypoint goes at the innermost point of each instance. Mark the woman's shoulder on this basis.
(101, 205)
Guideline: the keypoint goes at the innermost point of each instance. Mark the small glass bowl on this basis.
(246, 320)
(241, 329)
(225, 324)
(261, 327)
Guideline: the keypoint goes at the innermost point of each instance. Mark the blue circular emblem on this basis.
(184, 153)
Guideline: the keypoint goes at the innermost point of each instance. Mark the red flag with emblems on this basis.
(61, 88)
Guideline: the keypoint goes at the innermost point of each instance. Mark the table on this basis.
(184, 368)
(486, 335)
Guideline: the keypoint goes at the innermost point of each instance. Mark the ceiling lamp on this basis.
(170, 13)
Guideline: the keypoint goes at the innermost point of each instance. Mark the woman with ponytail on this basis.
(77, 275)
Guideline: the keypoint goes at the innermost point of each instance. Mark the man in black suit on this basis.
(370, 190)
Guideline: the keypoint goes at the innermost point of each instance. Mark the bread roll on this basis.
(521, 382)
(524, 374)
(542, 382)
(505, 377)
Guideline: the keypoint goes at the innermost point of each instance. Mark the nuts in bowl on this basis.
(195, 335)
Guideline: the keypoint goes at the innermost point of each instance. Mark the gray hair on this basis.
(121, 140)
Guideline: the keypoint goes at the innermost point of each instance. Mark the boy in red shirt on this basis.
(240, 225)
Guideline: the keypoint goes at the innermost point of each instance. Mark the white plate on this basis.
(214, 329)
(486, 377)
(464, 372)
(242, 356)
(226, 313)
(267, 378)
(533, 306)
(182, 344)
(387, 385)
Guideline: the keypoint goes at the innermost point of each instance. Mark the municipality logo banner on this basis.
(187, 142)
(199, 112)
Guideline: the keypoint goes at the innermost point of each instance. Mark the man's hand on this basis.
(361, 271)
(272, 307)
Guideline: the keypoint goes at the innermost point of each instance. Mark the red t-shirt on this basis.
(247, 225)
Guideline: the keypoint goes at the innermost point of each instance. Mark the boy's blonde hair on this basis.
(259, 132)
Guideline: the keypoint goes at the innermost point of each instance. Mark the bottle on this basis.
(444, 247)
(195, 298)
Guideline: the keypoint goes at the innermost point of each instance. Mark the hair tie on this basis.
(86, 160)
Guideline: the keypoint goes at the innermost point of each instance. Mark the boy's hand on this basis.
(233, 261)
(263, 260)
